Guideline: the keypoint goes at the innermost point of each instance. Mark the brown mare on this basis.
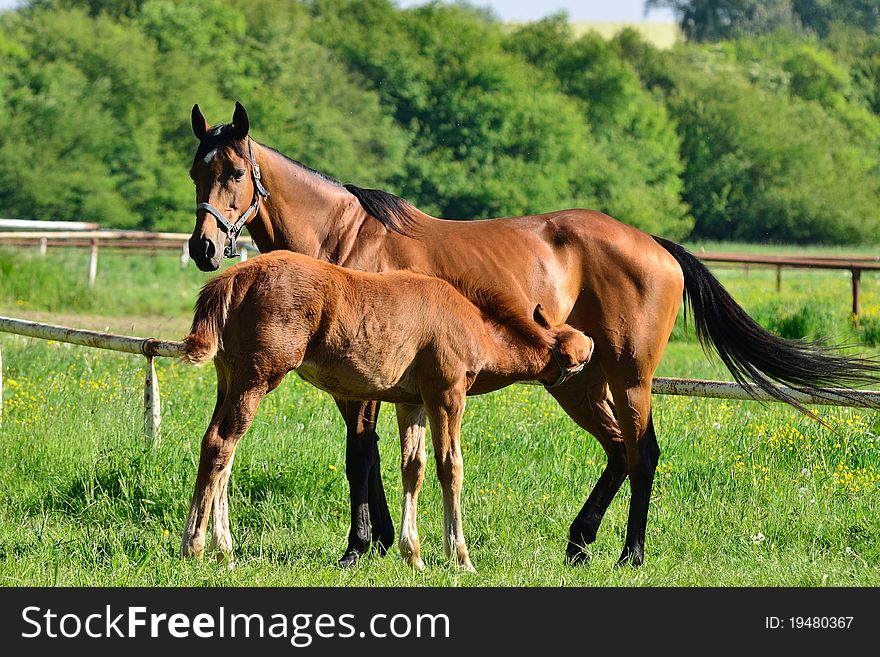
(614, 282)
(355, 335)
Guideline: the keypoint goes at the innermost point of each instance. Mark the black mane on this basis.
(392, 211)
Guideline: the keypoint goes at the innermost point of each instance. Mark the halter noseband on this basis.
(565, 373)
(233, 230)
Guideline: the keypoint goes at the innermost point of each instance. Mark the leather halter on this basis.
(565, 373)
(233, 230)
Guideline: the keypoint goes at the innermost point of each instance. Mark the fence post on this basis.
(856, 292)
(778, 278)
(243, 255)
(93, 263)
(184, 255)
(44, 245)
(152, 411)
(1, 387)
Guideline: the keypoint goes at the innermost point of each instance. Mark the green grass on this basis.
(745, 494)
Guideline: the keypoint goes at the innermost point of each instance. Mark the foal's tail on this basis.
(754, 355)
(212, 309)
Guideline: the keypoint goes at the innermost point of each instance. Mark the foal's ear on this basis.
(240, 121)
(540, 318)
(199, 125)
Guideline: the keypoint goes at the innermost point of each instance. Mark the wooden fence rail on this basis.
(855, 264)
(147, 241)
(114, 239)
(147, 347)
(151, 348)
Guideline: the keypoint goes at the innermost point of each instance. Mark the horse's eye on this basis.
(239, 174)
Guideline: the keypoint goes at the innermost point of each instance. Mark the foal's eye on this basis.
(239, 174)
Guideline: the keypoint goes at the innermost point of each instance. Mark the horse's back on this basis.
(555, 259)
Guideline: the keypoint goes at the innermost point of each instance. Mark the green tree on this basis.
(761, 166)
(490, 135)
(79, 115)
(715, 20)
(640, 178)
(822, 15)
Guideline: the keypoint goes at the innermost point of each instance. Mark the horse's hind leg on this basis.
(362, 468)
(231, 420)
(649, 453)
(642, 455)
(411, 423)
(586, 400)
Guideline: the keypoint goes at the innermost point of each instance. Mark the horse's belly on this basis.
(349, 383)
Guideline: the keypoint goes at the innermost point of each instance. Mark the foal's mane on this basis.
(393, 212)
(500, 309)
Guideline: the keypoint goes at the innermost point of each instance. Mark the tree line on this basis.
(764, 135)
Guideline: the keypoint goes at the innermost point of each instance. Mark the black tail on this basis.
(754, 355)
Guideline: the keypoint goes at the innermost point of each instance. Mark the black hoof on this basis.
(349, 559)
(630, 557)
(383, 537)
(576, 555)
(382, 531)
(381, 547)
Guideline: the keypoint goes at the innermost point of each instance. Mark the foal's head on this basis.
(573, 349)
(228, 187)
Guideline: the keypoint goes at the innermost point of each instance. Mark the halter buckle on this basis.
(230, 251)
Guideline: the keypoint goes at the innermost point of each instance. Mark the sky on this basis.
(528, 10)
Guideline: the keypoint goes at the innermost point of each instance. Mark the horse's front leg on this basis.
(365, 481)
(411, 423)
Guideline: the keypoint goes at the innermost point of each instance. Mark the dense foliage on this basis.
(769, 136)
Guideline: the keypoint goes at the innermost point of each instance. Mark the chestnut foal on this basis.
(400, 337)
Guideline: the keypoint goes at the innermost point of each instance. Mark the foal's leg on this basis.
(231, 420)
(221, 537)
(585, 398)
(364, 475)
(411, 422)
(444, 413)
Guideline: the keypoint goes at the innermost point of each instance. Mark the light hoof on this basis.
(191, 549)
(225, 558)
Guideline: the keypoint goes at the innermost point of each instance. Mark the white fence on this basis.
(28, 224)
(86, 236)
(147, 347)
(151, 348)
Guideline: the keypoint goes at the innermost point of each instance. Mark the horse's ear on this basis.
(240, 121)
(540, 318)
(199, 125)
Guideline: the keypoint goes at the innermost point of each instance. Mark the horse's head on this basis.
(572, 349)
(228, 187)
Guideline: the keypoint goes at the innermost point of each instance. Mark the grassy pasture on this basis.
(745, 494)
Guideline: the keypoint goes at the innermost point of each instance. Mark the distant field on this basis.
(660, 35)
(746, 494)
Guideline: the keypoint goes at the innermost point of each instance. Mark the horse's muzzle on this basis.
(205, 254)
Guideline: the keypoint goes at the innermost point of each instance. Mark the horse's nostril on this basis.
(209, 250)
